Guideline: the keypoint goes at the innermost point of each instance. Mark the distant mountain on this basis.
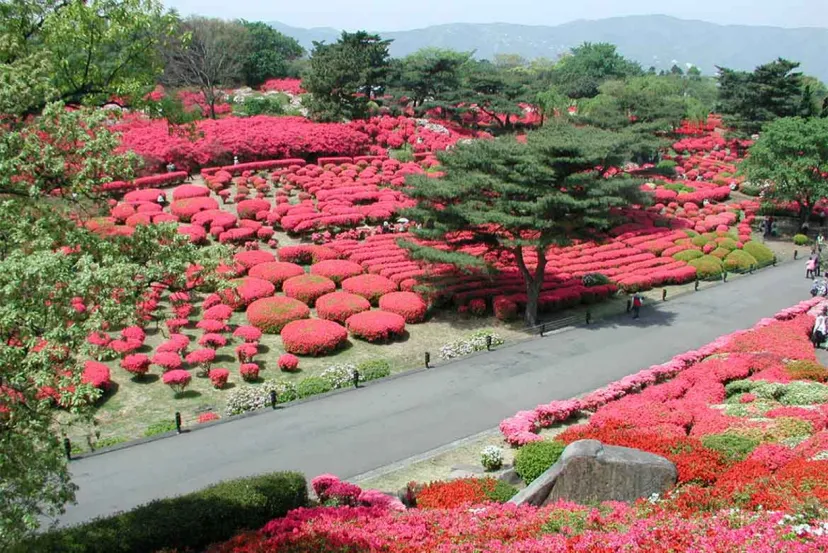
(652, 40)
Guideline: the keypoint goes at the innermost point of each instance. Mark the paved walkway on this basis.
(351, 433)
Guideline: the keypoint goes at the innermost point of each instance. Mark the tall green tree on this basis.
(748, 100)
(580, 74)
(95, 49)
(429, 77)
(271, 53)
(791, 159)
(345, 77)
(521, 199)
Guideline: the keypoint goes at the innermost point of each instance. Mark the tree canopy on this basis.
(791, 160)
(580, 74)
(270, 53)
(346, 76)
(523, 198)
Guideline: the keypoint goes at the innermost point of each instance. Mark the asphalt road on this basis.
(354, 432)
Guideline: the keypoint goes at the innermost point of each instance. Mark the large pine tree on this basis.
(524, 197)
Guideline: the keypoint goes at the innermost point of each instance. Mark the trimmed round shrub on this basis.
(212, 340)
(763, 254)
(727, 242)
(734, 447)
(96, 374)
(306, 254)
(700, 241)
(721, 253)
(313, 337)
(687, 255)
(251, 258)
(185, 209)
(249, 372)
(247, 209)
(739, 261)
(248, 333)
(235, 235)
(336, 269)
(408, 304)
(375, 326)
(219, 312)
(308, 288)
(168, 361)
(505, 309)
(708, 267)
(535, 458)
(201, 358)
(218, 378)
(276, 272)
(211, 325)
(178, 380)
(137, 364)
(370, 287)
(801, 240)
(288, 362)
(270, 315)
(806, 370)
(338, 306)
(373, 370)
(189, 191)
(145, 195)
(311, 386)
(244, 291)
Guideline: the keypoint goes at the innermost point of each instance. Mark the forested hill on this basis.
(652, 40)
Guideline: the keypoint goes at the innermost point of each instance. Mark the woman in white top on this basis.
(820, 328)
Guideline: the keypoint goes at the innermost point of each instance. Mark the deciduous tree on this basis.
(270, 54)
(580, 74)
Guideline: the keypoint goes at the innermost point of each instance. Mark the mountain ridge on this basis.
(651, 40)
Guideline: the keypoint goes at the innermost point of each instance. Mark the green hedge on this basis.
(707, 267)
(187, 522)
(535, 458)
(763, 254)
(739, 261)
(374, 369)
(801, 240)
(687, 255)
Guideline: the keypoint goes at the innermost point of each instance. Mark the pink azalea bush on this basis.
(177, 380)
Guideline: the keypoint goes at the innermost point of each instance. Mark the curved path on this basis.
(354, 432)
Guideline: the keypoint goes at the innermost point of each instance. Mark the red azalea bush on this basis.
(96, 374)
(455, 493)
(196, 234)
(313, 337)
(408, 304)
(249, 372)
(208, 417)
(133, 333)
(505, 309)
(248, 333)
(288, 362)
(212, 325)
(370, 287)
(276, 272)
(185, 209)
(218, 377)
(251, 258)
(246, 352)
(338, 306)
(137, 364)
(201, 358)
(189, 191)
(219, 312)
(270, 315)
(168, 361)
(212, 340)
(308, 288)
(244, 291)
(336, 269)
(247, 209)
(306, 254)
(235, 235)
(375, 326)
(178, 380)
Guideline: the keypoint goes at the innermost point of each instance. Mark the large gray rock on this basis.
(590, 472)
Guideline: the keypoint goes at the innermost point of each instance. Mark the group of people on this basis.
(813, 267)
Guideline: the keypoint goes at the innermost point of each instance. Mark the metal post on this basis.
(588, 317)
(664, 294)
(724, 276)
(177, 422)
(796, 254)
(697, 285)
(273, 399)
(488, 343)
(427, 359)
(67, 447)
(542, 329)
(751, 268)
(356, 378)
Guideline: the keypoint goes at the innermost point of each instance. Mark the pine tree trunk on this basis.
(533, 281)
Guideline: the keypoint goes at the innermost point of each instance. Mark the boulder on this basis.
(590, 472)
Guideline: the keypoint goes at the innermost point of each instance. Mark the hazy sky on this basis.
(394, 15)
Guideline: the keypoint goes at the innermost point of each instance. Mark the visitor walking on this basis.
(820, 328)
(820, 240)
(161, 200)
(636, 305)
(810, 267)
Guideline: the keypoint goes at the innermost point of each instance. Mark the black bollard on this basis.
(542, 329)
(273, 399)
(588, 317)
(796, 254)
(356, 378)
(724, 276)
(629, 305)
(67, 448)
(751, 268)
(697, 285)
(664, 294)
(178, 422)
(488, 343)
(427, 359)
